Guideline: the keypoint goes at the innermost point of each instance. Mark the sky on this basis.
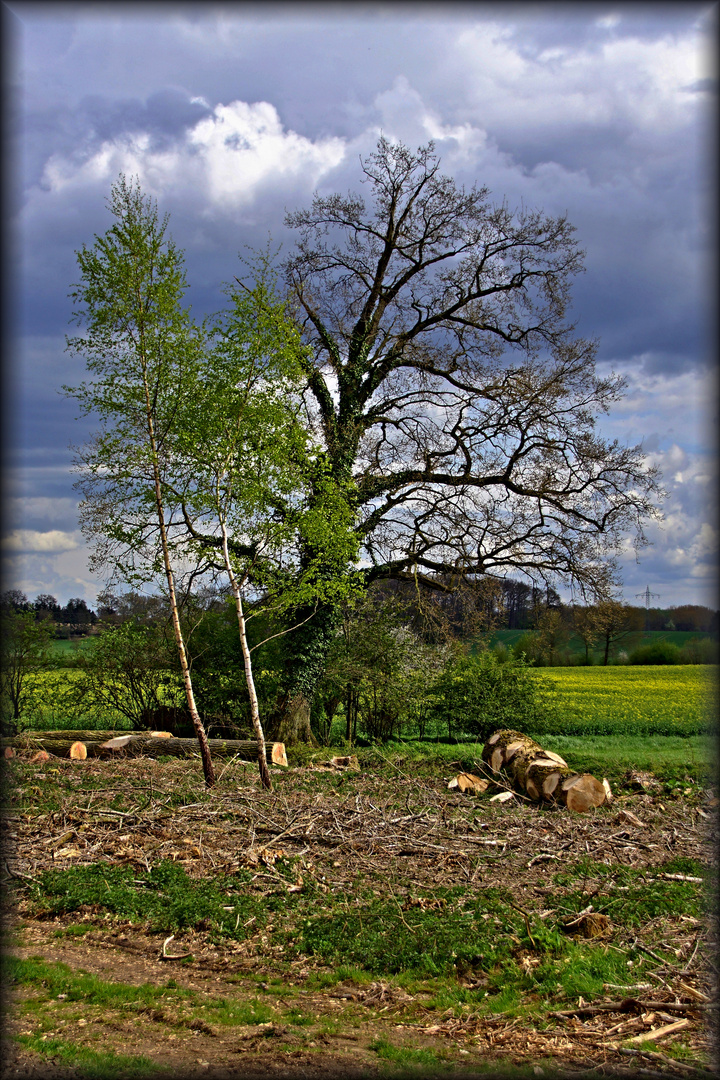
(233, 114)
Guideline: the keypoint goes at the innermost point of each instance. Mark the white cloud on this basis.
(30, 540)
(608, 22)
(231, 156)
(641, 82)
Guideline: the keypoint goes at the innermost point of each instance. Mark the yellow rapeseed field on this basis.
(672, 699)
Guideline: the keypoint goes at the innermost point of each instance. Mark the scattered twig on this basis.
(699, 1070)
(644, 948)
(164, 955)
(687, 967)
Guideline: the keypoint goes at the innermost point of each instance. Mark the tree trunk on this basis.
(541, 774)
(292, 722)
(109, 744)
(306, 658)
(247, 661)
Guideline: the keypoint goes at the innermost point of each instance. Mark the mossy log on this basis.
(108, 744)
(541, 774)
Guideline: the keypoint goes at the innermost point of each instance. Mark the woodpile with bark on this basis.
(80, 745)
(542, 775)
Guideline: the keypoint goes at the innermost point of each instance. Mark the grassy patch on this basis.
(93, 1064)
(631, 897)
(165, 899)
(72, 931)
(669, 758)
(404, 1055)
(57, 979)
(379, 936)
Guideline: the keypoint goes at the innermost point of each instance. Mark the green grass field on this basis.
(634, 640)
(64, 648)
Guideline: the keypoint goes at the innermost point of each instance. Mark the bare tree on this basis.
(455, 404)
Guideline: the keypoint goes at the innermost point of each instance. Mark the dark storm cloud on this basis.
(596, 110)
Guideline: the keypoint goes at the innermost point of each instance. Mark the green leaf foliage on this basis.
(478, 694)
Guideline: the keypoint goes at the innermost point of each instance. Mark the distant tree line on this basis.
(71, 620)
(405, 657)
(501, 604)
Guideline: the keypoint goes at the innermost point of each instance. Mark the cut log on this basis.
(541, 774)
(465, 781)
(109, 744)
(78, 751)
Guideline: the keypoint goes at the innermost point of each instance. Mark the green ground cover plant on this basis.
(88, 1063)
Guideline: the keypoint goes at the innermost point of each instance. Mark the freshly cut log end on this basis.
(470, 782)
(116, 744)
(586, 793)
(78, 751)
(8, 752)
(278, 754)
(550, 783)
(541, 774)
(42, 755)
(511, 750)
(160, 735)
(556, 758)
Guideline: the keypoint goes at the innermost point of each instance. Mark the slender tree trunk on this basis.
(254, 707)
(208, 770)
(348, 716)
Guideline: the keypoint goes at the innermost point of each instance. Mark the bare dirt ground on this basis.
(400, 834)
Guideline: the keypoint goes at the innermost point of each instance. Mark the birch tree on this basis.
(247, 476)
(139, 343)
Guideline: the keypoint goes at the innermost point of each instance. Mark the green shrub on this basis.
(527, 647)
(700, 651)
(660, 652)
(479, 694)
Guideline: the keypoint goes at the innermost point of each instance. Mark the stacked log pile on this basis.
(108, 744)
(541, 774)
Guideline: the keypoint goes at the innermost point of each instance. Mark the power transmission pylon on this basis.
(647, 596)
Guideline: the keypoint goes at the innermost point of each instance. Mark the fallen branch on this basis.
(661, 1032)
(634, 1005)
(699, 1070)
(174, 956)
